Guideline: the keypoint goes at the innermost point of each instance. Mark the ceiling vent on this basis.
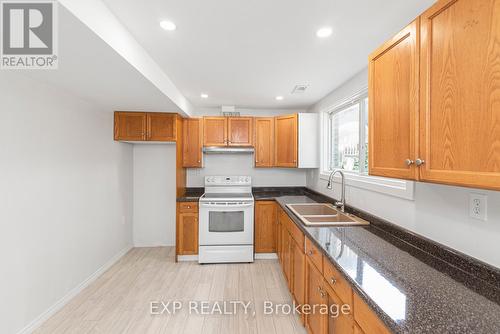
(299, 89)
(229, 111)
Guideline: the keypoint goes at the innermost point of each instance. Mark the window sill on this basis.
(393, 187)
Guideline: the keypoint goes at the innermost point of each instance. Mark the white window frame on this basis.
(393, 187)
(353, 100)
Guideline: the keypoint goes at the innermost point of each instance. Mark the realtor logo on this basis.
(28, 36)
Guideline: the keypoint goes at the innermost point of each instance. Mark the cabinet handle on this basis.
(419, 162)
(310, 252)
(333, 280)
(409, 162)
(322, 294)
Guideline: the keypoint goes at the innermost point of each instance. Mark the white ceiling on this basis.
(91, 69)
(244, 52)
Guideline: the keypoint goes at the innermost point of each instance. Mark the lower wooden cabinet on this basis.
(187, 228)
(338, 320)
(367, 320)
(265, 226)
(313, 280)
(316, 295)
(298, 259)
(286, 240)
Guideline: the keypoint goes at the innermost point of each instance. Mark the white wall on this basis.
(438, 212)
(154, 195)
(65, 194)
(243, 164)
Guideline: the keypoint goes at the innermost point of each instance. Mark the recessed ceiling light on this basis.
(279, 97)
(168, 25)
(204, 96)
(324, 32)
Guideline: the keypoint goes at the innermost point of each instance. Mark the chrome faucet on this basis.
(339, 204)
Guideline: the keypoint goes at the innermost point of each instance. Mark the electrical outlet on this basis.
(478, 206)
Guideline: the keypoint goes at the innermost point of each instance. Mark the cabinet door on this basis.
(265, 226)
(264, 142)
(285, 145)
(298, 272)
(278, 240)
(192, 142)
(338, 321)
(286, 239)
(240, 131)
(161, 127)
(187, 234)
(460, 91)
(367, 320)
(393, 105)
(214, 131)
(130, 125)
(315, 322)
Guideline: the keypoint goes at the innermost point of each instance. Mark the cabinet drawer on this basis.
(314, 254)
(296, 233)
(337, 281)
(366, 318)
(188, 207)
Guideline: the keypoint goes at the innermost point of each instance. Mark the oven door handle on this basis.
(226, 205)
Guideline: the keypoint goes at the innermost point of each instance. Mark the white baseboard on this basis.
(187, 258)
(150, 245)
(38, 321)
(266, 256)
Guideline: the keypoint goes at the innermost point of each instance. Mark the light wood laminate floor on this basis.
(119, 301)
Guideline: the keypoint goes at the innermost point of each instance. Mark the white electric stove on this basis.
(226, 220)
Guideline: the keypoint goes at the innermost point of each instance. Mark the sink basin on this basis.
(324, 214)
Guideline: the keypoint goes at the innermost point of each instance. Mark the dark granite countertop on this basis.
(408, 294)
(259, 193)
(191, 195)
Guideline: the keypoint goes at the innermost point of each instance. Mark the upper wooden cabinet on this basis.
(459, 94)
(264, 142)
(141, 126)
(130, 126)
(161, 127)
(227, 131)
(214, 131)
(285, 146)
(192, 142)
(240, 131)
(433, 97)
(393, 105)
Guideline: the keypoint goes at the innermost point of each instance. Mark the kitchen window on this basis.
(348, 136)
(344, 145)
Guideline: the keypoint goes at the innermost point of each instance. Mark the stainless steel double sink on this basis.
(324, 214)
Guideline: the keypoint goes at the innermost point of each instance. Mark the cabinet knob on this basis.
(419, 162)
(409, 162)
(310, 252)
(333, 280)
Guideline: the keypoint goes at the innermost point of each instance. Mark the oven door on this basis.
(226, 223)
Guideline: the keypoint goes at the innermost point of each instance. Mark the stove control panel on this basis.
(228, 180)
